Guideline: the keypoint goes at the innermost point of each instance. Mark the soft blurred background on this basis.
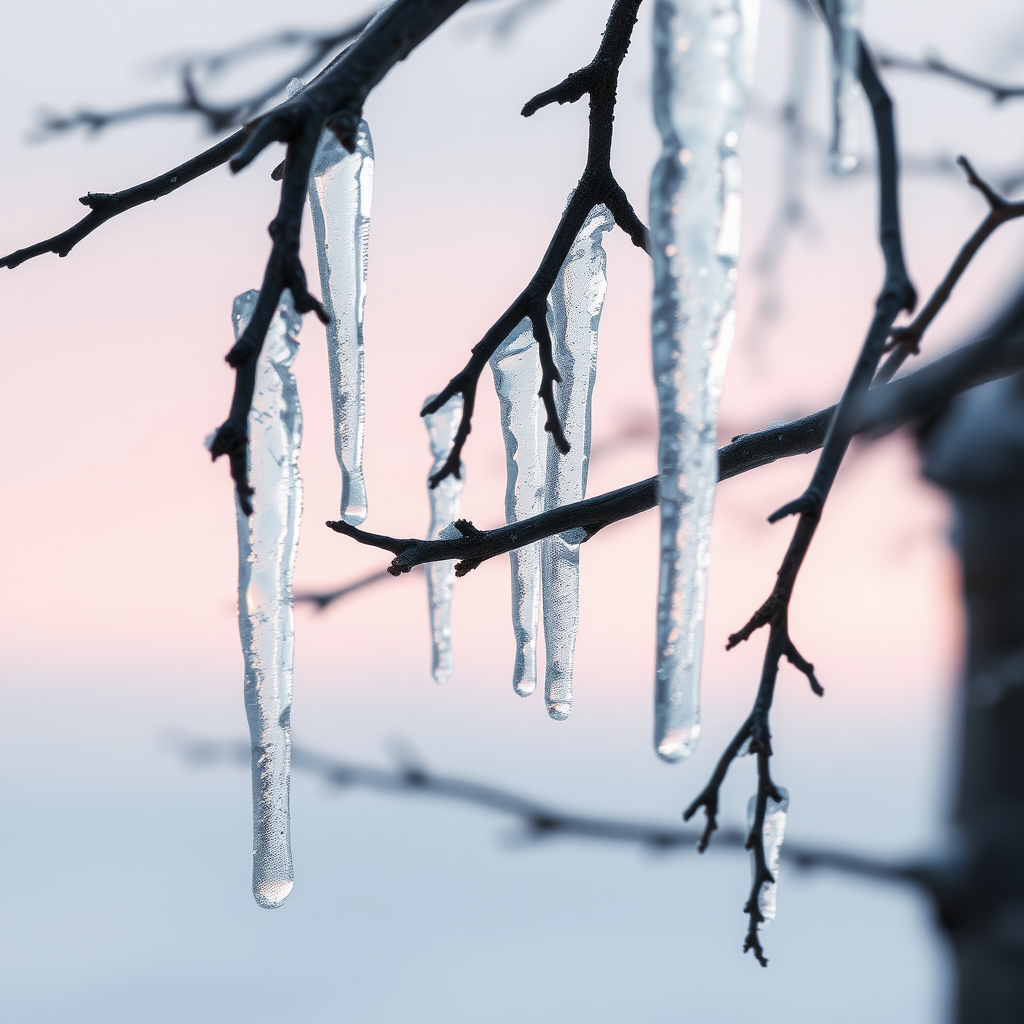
(127, 893)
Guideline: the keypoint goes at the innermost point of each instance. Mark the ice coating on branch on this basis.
(575, 305)
(340, 190)
(703, 64)
(267, 541)
(517, 376)
(846, 17)
(773, 834)
(444, 510)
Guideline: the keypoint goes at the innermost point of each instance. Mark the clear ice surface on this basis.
(575, 305)
(267, 542)
(703, 64)
(539, 478)
(340, 190)
(516, 371)
(847, 17)
(774, 832)
(444, 510)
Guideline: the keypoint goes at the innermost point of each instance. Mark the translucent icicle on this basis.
(774, 832)
(702, 68)
(846, 17)
(517, 375)
(576, 302)
(267, 541)
(444, 510)
(340, 190)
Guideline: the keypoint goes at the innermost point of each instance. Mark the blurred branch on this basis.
(935, 65)
(538, 820)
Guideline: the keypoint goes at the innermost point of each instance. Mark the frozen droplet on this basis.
(340, 190)
(699, 92)
(773, 834)
(267, 542)
(442, 426)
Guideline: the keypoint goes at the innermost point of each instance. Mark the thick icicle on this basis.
(846, 17)
(444, 510)
(773, 833)
(703, 65)
(576, 302)
(267, 541)
(517, 376)
(340, 189)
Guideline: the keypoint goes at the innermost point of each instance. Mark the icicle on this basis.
(444, 510)
(703, 66)
(845, 17)
(576, 302)
(517, 375)
(773, 834)
(266, 555)
(340, 189)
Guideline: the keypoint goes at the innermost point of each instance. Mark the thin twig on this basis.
(905, 340)
(599, 81)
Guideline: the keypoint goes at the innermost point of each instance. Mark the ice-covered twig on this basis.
(844, 20)
(897, 294)
(599, 81)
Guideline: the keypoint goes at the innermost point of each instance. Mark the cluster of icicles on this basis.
(704, 53)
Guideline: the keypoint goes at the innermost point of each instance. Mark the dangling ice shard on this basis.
(845, 18)
(267, 542)
(340, 190)
(703, 64)
(517, 376)
(444, 510)
(575, 306)
(772, 835)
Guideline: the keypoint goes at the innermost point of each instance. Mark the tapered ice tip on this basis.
(524, 687)
(560, 710)
(678, 744)
(271, 893)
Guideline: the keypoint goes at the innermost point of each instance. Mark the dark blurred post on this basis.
(975, 451)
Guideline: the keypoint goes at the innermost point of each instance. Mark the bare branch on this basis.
(597, 185)
(965, 368)
(540, 821)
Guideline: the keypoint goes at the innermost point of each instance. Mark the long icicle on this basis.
(444, 510)
(267, 542)
(703, 63)
(340, 190)
(845, 17)
(576, 302)
(517, 378)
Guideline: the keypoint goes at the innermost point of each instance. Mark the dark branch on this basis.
(965, 368)
(597, 185)
(539, 821)
(935, 65)
(905, 340)
(105, 205)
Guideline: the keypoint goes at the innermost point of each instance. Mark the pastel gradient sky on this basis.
(131, 898)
